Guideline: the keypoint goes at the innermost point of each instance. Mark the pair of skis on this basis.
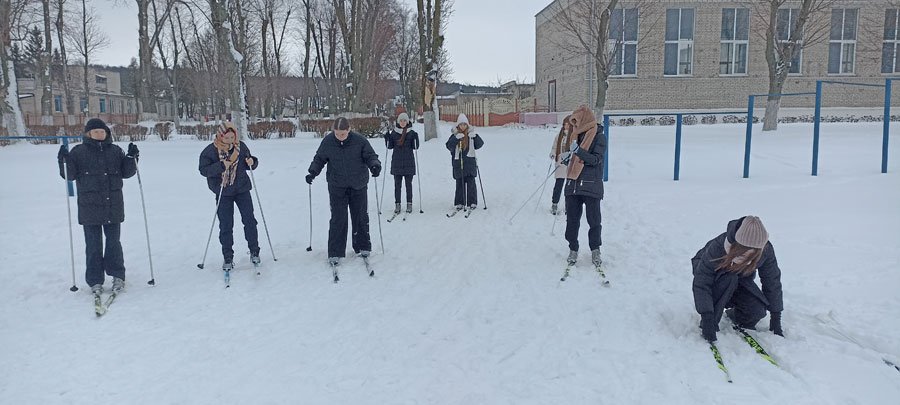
(750, 340)
(227, 271)
(369, 269)
(453, 212)
(100, 307)
(402, 215)
(597, 267)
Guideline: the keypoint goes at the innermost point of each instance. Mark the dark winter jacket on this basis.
(212, 168)
(713, 289)
(464, 162)
(403, 160)
(590, 182)
(349, 161)
(98, 167)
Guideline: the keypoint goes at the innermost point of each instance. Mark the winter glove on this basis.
(574, 147)
(133, 151)
(250, 160)
(775, 323)
(63, 153)
(565, 157)
(309, 178)
(460, 135)
(708, 327)
(472, 135)
(376, 170)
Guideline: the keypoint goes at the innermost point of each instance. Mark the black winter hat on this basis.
(96, 123)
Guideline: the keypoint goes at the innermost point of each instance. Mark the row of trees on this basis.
(201, 55)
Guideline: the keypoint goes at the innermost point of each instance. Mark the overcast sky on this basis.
(488, 40)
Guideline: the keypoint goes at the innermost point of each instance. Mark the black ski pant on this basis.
(466, 191)
(748, 308)
(226, 223)
(342, 199)
(99, 261)
(557, 190)
(591, 207)
(398, 180)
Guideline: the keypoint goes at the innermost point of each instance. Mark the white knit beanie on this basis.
(752, 233)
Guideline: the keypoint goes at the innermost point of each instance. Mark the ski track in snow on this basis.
(464, 310)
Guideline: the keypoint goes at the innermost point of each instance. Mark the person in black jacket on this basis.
(224, 163)
(403, 140)
(462, 145)
(350, 157)
(584, 181)
(724, 273)
(98, 166)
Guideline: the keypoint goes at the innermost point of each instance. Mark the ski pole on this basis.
(146, 224)
(262, 214)
(380, 235)
(309, 249)
(419, 177)
(478, 171)
(65, 165)
(541, 197)
(211, 226)
(529, 197)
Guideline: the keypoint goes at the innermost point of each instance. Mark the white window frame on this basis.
(896, 44)
(689, 43)
(734, 45)
(843, 43)
(790, 31)
(611, 43)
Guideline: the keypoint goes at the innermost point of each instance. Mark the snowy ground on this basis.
(465, 311)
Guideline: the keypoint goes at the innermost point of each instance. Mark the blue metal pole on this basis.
(816, 123)
(749, 136)
(677, 145)
(888, 83)
(606, 153)
(65, 142)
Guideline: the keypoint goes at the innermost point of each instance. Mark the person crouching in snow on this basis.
(462, 145)
(560, 145)
(584, 181)
(724, 273)
(98, 166)
(224, 163)
(403, 140)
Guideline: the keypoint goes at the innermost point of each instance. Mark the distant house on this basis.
(705, 54)
(104, 99)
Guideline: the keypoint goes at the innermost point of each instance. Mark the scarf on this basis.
(228, 153)
(586, 124)
(558, 148)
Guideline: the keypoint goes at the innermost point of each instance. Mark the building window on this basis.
(735, 40)
(785, 26)
(102, 105)
(551, 96)
(100, 79)
(623, 32)
(57, 104)
(679, 51)
(890, 51)
(129, 107)
(842, 41)
(83, 104)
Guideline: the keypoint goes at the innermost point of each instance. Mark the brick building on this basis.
(709, 54)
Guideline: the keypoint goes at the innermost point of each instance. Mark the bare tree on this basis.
(431, 21)
(64, 59)
(363, 39)
(170, 73)
(589, 29)
(85, 40)
(786, 32)
(147, 40)
(46, 82)
(11, 117)
(230, 60)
